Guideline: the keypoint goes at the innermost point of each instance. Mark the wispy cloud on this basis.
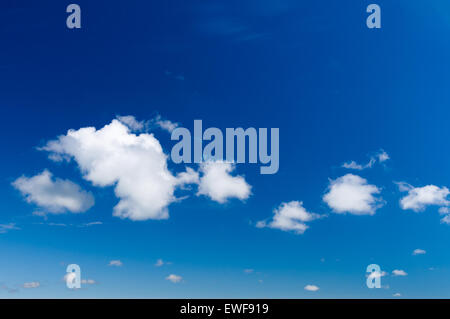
(4, 228)
(54, 195)
(419, 251)
(116, 263)
(33, 284)
(380, 157)
(174, 278)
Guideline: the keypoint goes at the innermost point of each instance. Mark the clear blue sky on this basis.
(338, 91)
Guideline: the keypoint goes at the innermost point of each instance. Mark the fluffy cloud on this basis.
(397, 294)
(381, 157)
(116, 263)
(352, 194)
(419, 252)
(290, 216)
(135, 164)
(397, 272)
(311, 288)
(33, 284)
(419, 198)
(218, 184)
(174, 278)
(54, 195)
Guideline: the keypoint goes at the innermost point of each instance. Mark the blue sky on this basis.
(338, 92)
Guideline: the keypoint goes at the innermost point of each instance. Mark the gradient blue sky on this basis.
(337, 90)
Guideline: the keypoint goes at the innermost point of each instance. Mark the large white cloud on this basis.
(218, 184)
(54, 195)
(419, 198)
(352, 194)
(290, 216)
(135, 164)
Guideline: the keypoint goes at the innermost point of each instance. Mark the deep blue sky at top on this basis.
(337, 90)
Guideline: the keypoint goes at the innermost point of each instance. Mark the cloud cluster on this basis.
(54, 195)
(135, 165)
(352, 194)
(290, 216)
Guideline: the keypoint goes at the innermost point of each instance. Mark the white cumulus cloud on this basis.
(218, 184)
(53, 194)
(290, 216)
(352, 194)
(135, 164)
(419, 198)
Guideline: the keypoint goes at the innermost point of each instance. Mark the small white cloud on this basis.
(311, 288)
(290, 216)
(397, 294)
(33, 284)
(4, 228)
(54, 195)
(381, 157)
(174, 278)
(249, 271)
(88, 282)
(218, 184)
(419, 198)
(116, 263)
(399, 272)
(352, 194)
(160, 263)
(419, 252)
(353, 165)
